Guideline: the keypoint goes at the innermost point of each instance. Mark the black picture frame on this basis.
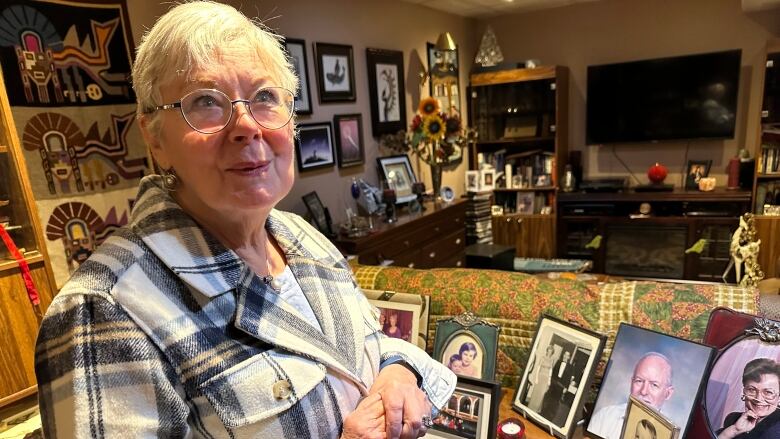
(695, 170)
(296, 51)
(458, 419)
(689, 363)
(335, 82)
(467, 332)
(314, 146)
(555, 385)
(397, 173)
(317, 211)
(386, 90)
(350, 148)
(440, 76)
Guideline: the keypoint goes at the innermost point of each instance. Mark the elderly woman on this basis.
(761, 393)
(212, 314)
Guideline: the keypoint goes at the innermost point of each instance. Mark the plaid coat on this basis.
(164, 332)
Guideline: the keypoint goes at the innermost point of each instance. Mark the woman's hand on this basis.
(405, 404)
(367, 421)
(744, 424)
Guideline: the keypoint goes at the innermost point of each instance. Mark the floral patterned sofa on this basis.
(515, 301)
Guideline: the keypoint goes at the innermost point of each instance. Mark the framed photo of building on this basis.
(397, 172)
(467, 345)
(472, 411)
(335, 72)
(386, 90)
(296, 50)
(642, 421)
(557, 376)
(349, 139)
(389, 302)
(744, 382)
(664, 371)
(314, 146)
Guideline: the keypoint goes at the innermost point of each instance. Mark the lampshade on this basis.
(445, 42)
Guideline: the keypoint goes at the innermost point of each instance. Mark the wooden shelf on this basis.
(527, 189)
(3, 149)
(516, 140)
(768, 176)
(30, 257)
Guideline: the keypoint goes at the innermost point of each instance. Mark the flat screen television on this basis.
(682, 97)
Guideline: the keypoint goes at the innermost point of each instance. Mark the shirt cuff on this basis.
(397, 359)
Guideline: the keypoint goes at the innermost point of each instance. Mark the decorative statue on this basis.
(744, 250)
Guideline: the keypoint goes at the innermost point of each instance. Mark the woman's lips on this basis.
(249, 168)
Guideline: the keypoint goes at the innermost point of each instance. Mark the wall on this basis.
(384, 24)
(621, 30)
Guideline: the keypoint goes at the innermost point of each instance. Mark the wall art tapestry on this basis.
(66, 66)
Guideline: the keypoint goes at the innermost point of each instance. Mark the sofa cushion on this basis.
(515, 301)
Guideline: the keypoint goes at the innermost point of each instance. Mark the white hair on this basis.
(190, 37)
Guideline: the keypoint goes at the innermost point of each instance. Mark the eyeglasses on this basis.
(209, 111)
(767, 394)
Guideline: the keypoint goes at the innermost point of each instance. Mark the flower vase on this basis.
(436, 180)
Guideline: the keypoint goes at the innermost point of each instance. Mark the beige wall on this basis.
(621, 30)
(385, 24)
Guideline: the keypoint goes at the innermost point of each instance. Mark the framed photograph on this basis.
(557, 377)
(525, 203)
(447, 194)
(296, 50)
(642, 421)
(317, 212)
(444, 83)
(487, 179)
(397, 173)
(467, 345)
(349, 139)
(314, 146)
(472, 411)
(663, 371)
(400, 303)
(472, 181)
(742, 385)
(695, 171)
(386, 91)
(335, 72)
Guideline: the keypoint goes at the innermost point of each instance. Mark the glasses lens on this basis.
(272, 107)
(207, 111)
(768, 394)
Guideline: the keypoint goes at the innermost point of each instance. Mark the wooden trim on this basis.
(8, 264)
(10, 399)
(514, 75)
(3, 149)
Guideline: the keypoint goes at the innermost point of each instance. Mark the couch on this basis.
(515, 301)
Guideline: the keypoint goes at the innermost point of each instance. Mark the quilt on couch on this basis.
(515, 301)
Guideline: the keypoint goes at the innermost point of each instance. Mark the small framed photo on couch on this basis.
(472, 411)
(557, 376)
(467, 345)
(642, 421)
(411, 312)
(664, 371)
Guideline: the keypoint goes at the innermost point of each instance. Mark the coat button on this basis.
(282, 389)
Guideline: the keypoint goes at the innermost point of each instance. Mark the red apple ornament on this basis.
(657, 173)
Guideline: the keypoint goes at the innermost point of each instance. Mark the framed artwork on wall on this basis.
(349, 139)
(335, 72)
(386, 90)
(296, 50)
(314, 146)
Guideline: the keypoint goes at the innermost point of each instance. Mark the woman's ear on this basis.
(153, 141)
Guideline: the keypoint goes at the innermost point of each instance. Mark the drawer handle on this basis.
(406, 243)
(519, 221)
(411, 265)
(457, 220)
(509, 220)
(457, 241)
(436, 229)
(458, 264)
(432, 255)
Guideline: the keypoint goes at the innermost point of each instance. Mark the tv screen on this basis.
(683, 97)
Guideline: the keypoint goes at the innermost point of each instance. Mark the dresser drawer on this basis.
(442, 249)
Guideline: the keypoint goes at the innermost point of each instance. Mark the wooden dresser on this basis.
(434, 238)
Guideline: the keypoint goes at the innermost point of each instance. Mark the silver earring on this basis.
(170, 179)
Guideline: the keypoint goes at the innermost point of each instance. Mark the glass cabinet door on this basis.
(13, 210)
(514, 110)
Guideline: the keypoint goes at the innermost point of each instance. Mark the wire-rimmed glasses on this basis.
(767, 394)
(209, 111)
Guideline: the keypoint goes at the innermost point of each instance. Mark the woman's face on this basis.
(762, 396)
(467, 357)
(393, 319)
(244, 166)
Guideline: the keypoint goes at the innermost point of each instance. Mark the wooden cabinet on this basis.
(19, 321)
(434, 238)
(768, 231)
(767, 176)
(532, 236)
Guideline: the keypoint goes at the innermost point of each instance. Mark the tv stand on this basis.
(605, 228)
(655, 188)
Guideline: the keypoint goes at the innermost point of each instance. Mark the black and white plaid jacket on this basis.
(164, 332)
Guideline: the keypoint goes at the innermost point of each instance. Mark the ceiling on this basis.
(487, 8)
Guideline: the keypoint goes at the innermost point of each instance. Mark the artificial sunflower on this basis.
(429, 106)
(433, 127)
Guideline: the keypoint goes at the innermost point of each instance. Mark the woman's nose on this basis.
(244, 126)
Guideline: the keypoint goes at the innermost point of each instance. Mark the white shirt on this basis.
(292, 293)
